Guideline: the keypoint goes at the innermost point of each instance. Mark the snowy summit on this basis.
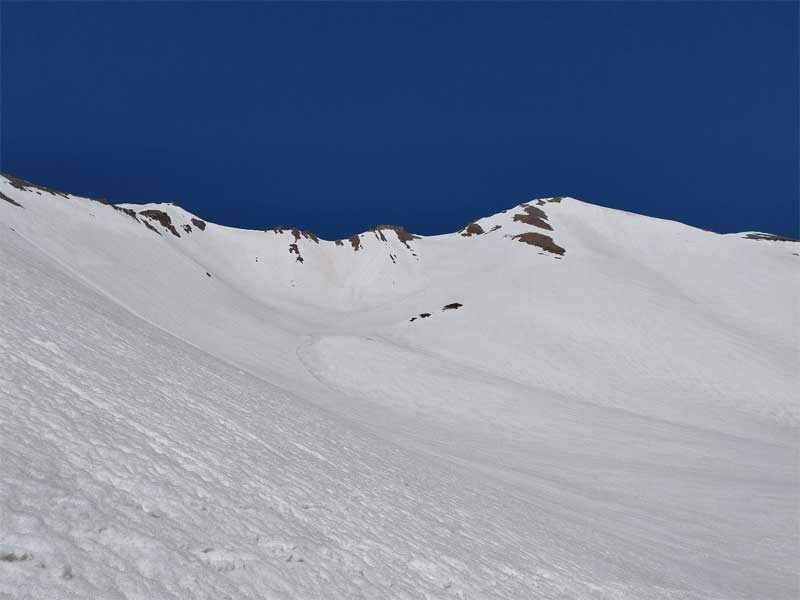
(557, 401)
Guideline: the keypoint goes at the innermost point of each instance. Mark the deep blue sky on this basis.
(335, 117)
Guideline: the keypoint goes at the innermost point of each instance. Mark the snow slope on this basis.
(190, 411)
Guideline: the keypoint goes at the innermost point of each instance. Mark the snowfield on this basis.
(195, 411)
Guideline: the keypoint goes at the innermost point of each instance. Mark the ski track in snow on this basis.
(170, 435)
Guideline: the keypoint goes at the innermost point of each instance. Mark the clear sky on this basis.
(337, 116)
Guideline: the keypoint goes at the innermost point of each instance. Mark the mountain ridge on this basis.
(192, 412)
(24, 185)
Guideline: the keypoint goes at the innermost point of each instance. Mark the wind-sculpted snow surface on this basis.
(198, 414)
(135, 465)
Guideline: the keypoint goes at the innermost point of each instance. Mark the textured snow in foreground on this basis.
(181, 420)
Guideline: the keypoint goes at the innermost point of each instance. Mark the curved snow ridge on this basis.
(527, 212)
(521, 226)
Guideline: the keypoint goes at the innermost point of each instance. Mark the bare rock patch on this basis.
(545, 242)
(293, 249)
(161, 217)
(128, 211)
(150, 227)
(10, 200)
(402, 235)
(770, 237)
(472, 229)
(533, 216)
(13, 557)
(27, 186)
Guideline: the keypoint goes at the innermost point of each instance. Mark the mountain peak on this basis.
(246, 407)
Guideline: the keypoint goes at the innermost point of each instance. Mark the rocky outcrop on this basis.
(770, 237)
(161, 217)
(10, 200)
(293, 249)
(27, 186)
(402, 235)
(545, 242)
(128, 211)
(472, 229)
(297, 233)
(150, 227)
(533, 216)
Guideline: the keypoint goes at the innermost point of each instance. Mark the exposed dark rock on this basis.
(355, 241)
(150, 227)
(495, 228)
(161, 217)
(556, 199)
(770, 237)
(293, 249)
(472, 229)
(453, 306)
(12, 557)
(298, 233)
(533, 216)
(424, 315)
(199, 223)
(278, 229)
(207, 273)
(545, 242)
(339, 243)
(187, 228)
(412, 319)
(10, 200)
(27, 186)
(128, 211)
(402, 235)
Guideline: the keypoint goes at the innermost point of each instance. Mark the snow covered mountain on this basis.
(557, 401)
